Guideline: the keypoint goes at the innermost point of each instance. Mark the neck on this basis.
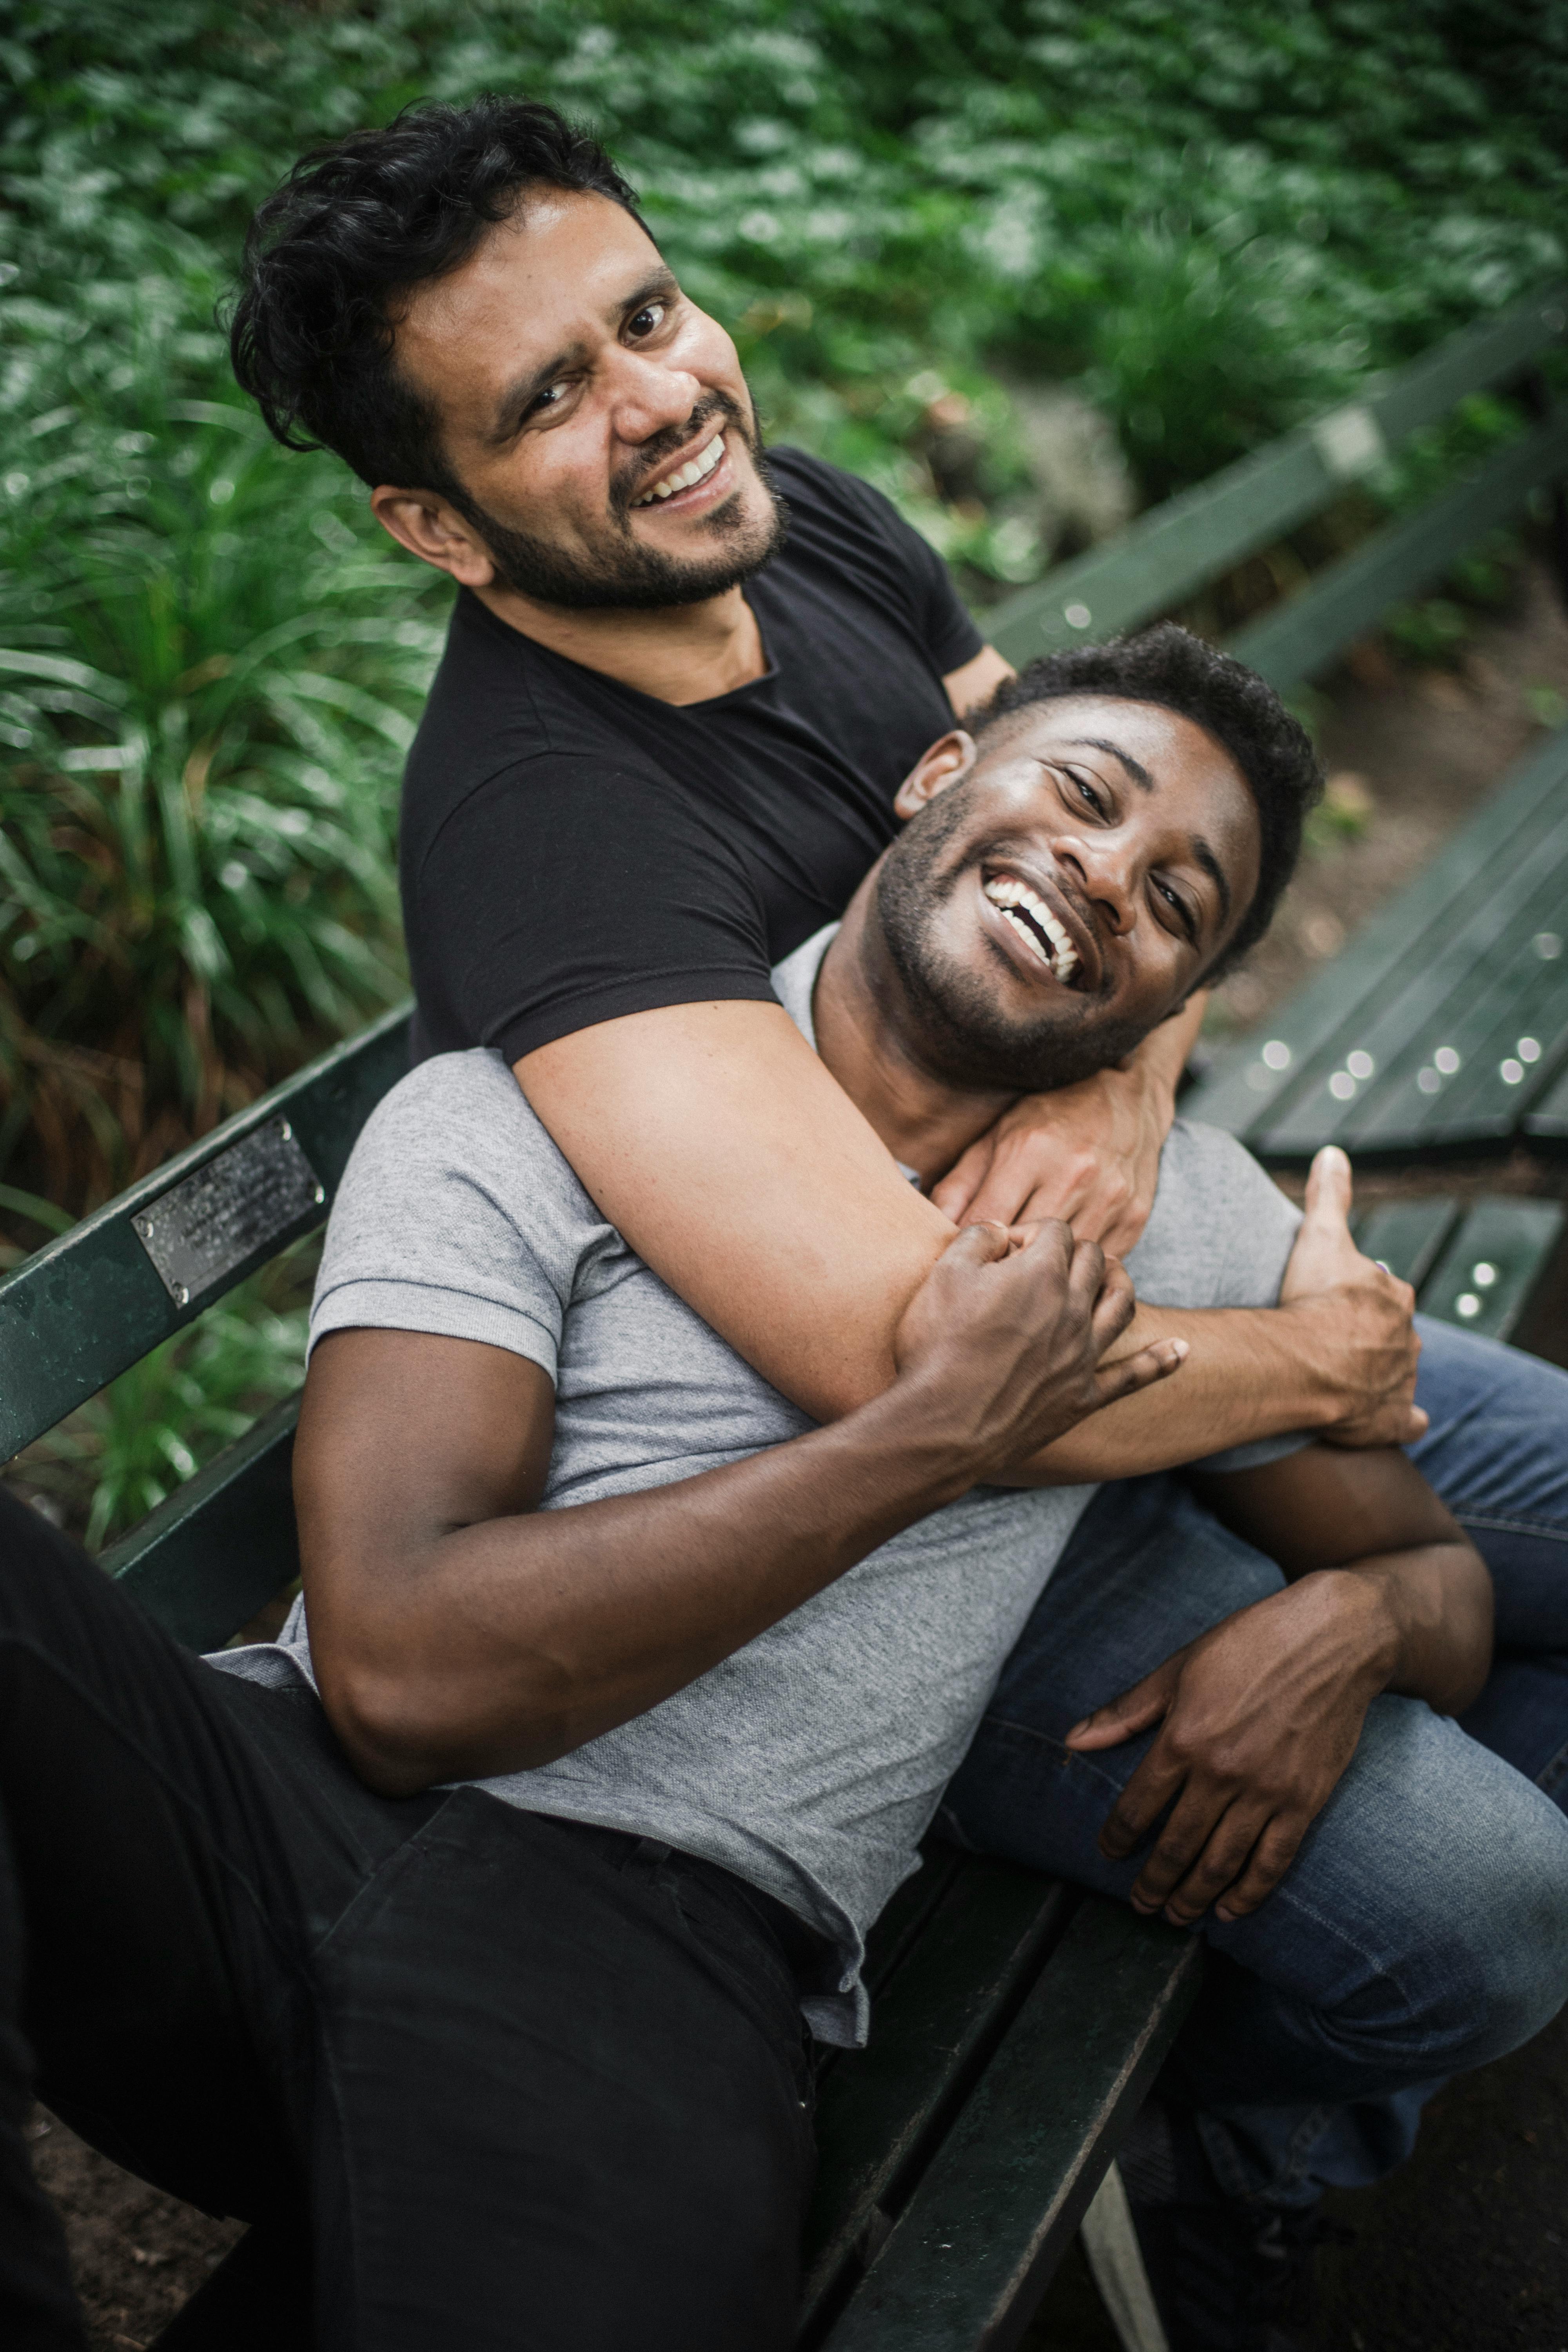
(923, 1120)
(675, 653)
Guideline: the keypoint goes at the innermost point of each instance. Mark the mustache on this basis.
(656, 454)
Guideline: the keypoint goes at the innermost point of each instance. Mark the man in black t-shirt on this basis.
(682, 683)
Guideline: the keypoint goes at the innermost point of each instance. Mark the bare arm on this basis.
(713, 1139)
(457, 1630)
(1259, 1718)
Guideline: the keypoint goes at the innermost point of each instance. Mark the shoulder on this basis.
(812, 487)
(459, 1123)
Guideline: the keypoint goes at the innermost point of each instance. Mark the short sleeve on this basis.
(945, 627)
(1220, 1235)
(564, 891)
(457, 1216)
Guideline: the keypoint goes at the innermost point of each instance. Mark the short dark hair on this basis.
(356, 223)
(1170, 666)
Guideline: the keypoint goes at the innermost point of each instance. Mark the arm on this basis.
(713, 1139)
(457, 1630)
(1260, 1717)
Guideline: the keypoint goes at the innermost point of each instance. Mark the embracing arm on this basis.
(715, 1140)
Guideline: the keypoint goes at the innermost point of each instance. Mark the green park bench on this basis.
(1018, 2022)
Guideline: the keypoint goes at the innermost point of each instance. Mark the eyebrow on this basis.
(1210, 865)
(1135, 768)
(523, 390)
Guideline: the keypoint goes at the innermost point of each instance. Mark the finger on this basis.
(1157, 1361)
(1177, 1845)
(1086, 1277)
(1272, 1857)
(1115, 1307)
(1014, 1188)
(1230, 1845)
(1134, 1710)
(1154, 1786)
(956, 1191)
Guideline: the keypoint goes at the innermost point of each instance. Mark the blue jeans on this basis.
(1423, 1927)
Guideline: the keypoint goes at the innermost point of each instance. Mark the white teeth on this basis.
(1008, 893)
(694, 470)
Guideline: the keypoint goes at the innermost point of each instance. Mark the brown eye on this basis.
(650, 316)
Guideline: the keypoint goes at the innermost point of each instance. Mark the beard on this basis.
(954, 1024)
(623, 574)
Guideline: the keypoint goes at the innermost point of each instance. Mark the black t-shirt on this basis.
(574, 850)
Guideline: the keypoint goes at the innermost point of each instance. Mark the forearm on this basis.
(502, 1646)
(1250, 1373)
(1437, 1602)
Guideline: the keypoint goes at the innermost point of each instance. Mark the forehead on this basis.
(555, 276)
(1194, 778)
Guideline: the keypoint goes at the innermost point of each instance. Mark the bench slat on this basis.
(879, 2108)
(1407, 1236)
(1172, 552)
(1299, 637)
(1322, 1024)
(1470, 981)
(971, 2252)
(217, 1550)
(1510, 1237)
(88, 1307)
(1548, 1120)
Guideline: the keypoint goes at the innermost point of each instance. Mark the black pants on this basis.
(513, 2081)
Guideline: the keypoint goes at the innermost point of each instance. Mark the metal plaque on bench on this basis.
(250, 1195)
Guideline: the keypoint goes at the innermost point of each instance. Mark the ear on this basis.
(435, 532)
(947, 762)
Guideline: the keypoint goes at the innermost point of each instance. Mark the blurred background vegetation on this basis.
(1027, 264)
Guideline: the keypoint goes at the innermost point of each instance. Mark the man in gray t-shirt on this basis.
(569, 1559)
(811, 1761)
(620, 1697)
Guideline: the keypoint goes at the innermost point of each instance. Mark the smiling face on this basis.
(1063, 891)
(598, 422)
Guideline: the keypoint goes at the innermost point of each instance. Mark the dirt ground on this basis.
(1467, 2249)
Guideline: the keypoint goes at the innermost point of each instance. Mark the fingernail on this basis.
(1181, 1350)
(1221, 1913)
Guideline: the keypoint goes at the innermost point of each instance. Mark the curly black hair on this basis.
(1170, 666)
(361, 221)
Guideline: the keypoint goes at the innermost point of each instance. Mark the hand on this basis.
(1089, 1154)
(1352, 1320)
(1003, 1340)
(1258, 1719)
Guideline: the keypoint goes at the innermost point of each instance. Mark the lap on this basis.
(597, 2134)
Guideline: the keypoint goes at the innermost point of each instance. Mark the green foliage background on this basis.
(1211, 217)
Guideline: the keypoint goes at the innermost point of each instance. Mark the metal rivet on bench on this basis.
(1511, 1072)
(1528, 1049)
(181, 1295)
(1077, 617)
(1360, 1064)
(1554, 320)
(1447, 1060)
(1341, 1086)
(1467, 1304)
(1483, 1274)
(1277, 1054)
(1428, 1081)
(143, 1226)
(1548, 946)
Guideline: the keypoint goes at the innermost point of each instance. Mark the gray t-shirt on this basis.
(812, 1762)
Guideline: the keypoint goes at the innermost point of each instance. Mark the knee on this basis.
(1477, 1961)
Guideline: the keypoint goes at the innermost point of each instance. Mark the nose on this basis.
(650, 395)
(1101, 864)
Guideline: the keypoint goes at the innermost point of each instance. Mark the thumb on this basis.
(1329, 1191)
(1134, 1711)
(977, 1246)
(964, 1179)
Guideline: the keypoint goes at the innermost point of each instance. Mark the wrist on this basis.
(1363, 1605)
(918, 1440)
(1310, 1353)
